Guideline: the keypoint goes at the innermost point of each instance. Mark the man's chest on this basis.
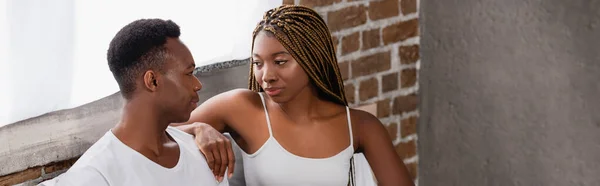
(191, 171)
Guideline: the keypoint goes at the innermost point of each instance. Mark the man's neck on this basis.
(141, 128)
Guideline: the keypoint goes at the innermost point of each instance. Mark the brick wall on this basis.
(377, 46)
(35, 175)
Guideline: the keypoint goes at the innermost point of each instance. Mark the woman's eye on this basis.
(280, 62)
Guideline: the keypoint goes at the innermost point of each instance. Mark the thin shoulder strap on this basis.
(262, 98)
(350, 127)
(351, 172)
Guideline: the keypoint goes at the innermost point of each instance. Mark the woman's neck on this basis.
(306, 106)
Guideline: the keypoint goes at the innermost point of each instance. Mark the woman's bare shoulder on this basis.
(365, 125)
(240, 97)
(361, 118)
(227, 108)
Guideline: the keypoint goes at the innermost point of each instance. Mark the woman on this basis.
(293, 125)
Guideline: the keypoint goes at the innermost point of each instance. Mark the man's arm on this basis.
(373, 138)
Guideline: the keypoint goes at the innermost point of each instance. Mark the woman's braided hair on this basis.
(305, 35)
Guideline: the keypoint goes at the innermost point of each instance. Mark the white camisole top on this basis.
(272, 165)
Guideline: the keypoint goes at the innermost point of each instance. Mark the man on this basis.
(154, 71)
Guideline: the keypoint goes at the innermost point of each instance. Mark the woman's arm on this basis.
(214, 111)
(207, 123)
(374, 140)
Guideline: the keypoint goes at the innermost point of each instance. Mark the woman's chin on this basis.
(279, 99)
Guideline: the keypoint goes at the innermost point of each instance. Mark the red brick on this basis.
(20, 177)
(317, 3)
(371, 39)
(288, 2)
(346, 18)
(383, 9)
(350, 43)
(408, 77)
(392, 129)
(412, 170)
(409, 54)
(344, 69)
(408, 6)
(389, 82)
(383, 108)
(404, 104)
(400, 31)
(336, 41)
(407, 149)
(368, 89)
(408, 126)
(349, 89)
(58, 166)
(371, 64)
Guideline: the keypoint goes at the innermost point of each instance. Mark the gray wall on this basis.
(221, 77)
(509, 92)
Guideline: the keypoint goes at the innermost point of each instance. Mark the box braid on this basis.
(305, 35)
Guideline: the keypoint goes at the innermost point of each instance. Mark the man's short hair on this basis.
(137, 47)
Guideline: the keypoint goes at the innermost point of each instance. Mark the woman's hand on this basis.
(216, 148)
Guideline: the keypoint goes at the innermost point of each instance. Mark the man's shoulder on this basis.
(81, 175)
(87, 170)
(185, 140)
(103, 156)
(176, 133)
(105, 146)
(188, 144)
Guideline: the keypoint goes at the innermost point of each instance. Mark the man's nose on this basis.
(198, 85)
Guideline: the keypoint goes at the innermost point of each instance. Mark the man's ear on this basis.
(150, 80)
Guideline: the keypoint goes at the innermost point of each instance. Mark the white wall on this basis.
(53, 53)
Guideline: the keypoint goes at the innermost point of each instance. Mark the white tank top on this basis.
(272, 165)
